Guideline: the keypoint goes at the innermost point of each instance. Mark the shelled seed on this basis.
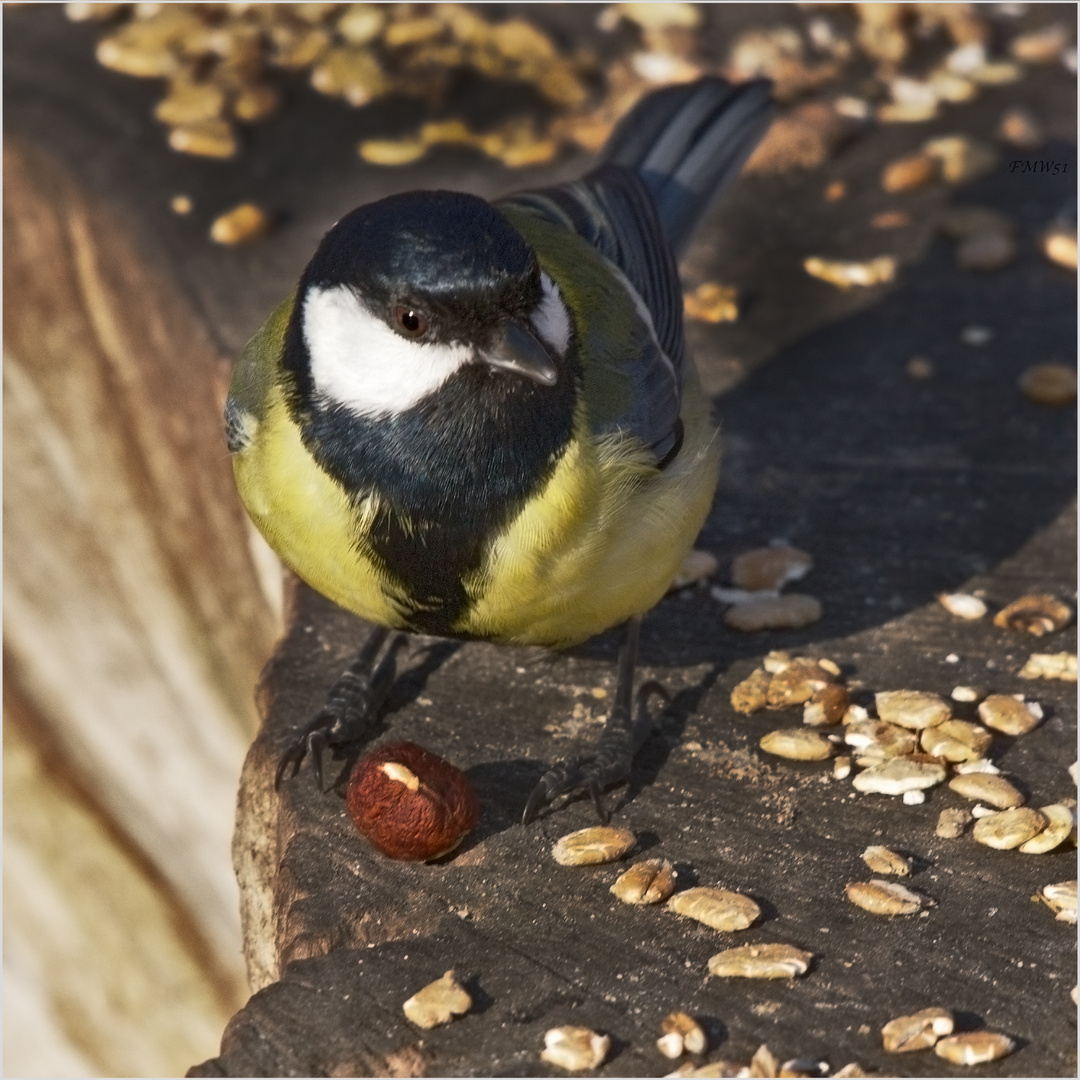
(1061, 898)
(588, 847)
(751, 695)
(687, 1030)
(875, 739)
(1009, 828)
(1009, 715)
(897, 775)
(847, 275)
(761, 962)
(647, 882)
(953, 823)
(883, 860)
(1037, 613)
(979, 765)
(920, 1031)
(912, 709)
(884, 897)
(1061, 821)
(1052, 385)
(770, 567)
(956, 740)
(982, 787)
(717, 908)
(827, 706)
(974, 1047)
(799, 744)
(792, 611)
(966, 694)
(240, 225)
(1050, 666)
(575, 1049)
(797, 683)
(438, 1002)
(963, 605)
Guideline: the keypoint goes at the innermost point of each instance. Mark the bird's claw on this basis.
(570, 774)
(311, 742)
(609, 765)
(350, 710)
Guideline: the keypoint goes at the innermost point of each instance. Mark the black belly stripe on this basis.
(449, 476)
(430, 561)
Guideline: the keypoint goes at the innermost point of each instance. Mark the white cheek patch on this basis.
(359, 362)
(551, 320)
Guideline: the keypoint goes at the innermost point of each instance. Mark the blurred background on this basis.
(168, 169)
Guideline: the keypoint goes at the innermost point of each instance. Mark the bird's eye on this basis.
(410, 322)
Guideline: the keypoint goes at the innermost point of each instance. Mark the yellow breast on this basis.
(602, 543)
(307, 518)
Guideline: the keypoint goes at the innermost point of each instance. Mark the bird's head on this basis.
(405, 293)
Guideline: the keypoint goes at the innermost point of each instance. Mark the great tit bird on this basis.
(478, 420)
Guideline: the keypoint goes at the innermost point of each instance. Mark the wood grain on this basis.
(137, 618)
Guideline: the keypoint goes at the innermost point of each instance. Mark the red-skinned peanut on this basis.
(410, 803)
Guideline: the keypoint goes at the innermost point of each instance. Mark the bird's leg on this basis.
(625, 732)
(351, 706)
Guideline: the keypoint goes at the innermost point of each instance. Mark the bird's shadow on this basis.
(899, 487)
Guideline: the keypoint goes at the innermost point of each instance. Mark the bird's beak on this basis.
(516, 349)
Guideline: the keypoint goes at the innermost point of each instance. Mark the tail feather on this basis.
(687, 143)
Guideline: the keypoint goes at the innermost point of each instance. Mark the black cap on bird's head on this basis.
(410, 288)
(445, 246)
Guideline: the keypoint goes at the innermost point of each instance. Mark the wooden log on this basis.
(899, 492)
(121, 328)
(108, 974)
(134, 620)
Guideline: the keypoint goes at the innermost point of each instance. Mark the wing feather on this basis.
(666, 163)
(612, 211)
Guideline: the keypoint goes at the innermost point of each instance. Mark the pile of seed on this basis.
(914, 743)
(652, 882)
(224, 67)
(221, 63)
(910, 743)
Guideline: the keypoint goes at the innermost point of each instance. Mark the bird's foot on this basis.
(622, 737)
(351, 707)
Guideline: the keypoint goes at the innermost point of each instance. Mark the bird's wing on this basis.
(665, 164)
(612, 211)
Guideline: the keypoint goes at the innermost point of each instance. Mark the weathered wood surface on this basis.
(900, 488)
(957, 484)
